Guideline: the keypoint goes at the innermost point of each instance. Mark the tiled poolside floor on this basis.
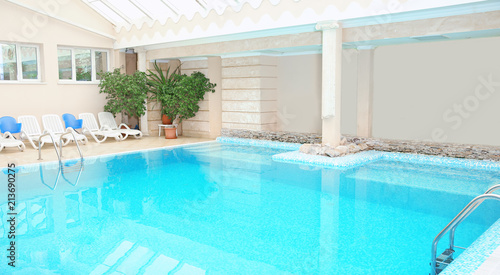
(491, 266)
(92, 148)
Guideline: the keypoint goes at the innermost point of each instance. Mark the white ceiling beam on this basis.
(202, 4)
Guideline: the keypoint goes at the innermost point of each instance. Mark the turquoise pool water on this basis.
(229, 209)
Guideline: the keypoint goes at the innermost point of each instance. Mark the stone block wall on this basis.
(249, 93)
(154, 118)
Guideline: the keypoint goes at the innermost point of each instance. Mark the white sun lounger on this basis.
(91, 127)
(53, 124)
(30, 130)
(8, 140)
(107, 119)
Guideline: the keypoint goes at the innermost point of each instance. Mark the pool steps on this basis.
(132, 258)
(443, 260)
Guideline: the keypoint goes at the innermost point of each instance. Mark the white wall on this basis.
(349, 91)
(421, 88)
(418, 92)
(49, 96)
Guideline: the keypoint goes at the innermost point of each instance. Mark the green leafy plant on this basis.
(162, 85)
(126, 94)
(178, 94)
(188, 92)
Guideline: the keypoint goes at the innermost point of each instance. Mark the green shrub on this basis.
(126, 94)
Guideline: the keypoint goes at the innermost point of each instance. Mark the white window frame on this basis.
(73, 65)
(19, 62)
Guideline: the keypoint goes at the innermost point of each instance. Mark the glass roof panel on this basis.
(217, 5)
(123, 12)
(187, 7)
(108, 13)
(157, 9)
(127, 8)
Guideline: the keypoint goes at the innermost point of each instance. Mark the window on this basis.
(101, 62)
(64, 58)
(19, 62)
(81, 65)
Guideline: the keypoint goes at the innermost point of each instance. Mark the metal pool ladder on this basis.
(439, 263)
(58, 152)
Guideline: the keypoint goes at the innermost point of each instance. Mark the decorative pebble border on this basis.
(466, 151)
(272, 136)
(476, 254)
(358, 159)
(471, 259)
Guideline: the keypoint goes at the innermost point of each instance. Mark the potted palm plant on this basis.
(178, 94)
(161, 84)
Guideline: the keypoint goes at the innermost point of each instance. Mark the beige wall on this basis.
(299, 93)
(49, 96)
(442, 91)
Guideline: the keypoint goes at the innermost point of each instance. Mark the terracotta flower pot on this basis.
(166, 120)
(171, 133)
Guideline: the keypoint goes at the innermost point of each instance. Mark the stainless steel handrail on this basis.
(57, 177)
(492, 189)
(69, 131)
(452, 232)
(40, 147)
(473, 204)
(77, 177)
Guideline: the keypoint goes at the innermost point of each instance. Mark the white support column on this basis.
(331, 75)
(142, 66)
(365, 91)
(215, 99)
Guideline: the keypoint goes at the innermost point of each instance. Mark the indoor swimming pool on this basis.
(216, 208)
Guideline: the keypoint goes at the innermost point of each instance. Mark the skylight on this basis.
(128, 12)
